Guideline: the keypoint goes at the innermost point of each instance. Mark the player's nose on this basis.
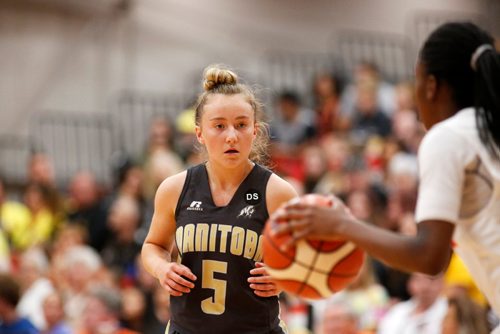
(231, 136)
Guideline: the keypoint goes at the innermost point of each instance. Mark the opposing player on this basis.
(216, 212)
(458, 96)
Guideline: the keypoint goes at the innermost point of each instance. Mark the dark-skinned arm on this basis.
(427, 252)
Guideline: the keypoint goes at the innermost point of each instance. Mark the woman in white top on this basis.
(458, 96)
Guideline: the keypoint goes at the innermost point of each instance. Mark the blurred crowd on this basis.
(69, 257)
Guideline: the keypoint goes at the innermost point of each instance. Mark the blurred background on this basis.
(95, 110)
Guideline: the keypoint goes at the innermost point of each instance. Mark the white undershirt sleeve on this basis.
(442, 157)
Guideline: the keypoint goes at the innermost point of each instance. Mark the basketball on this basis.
(311, 269)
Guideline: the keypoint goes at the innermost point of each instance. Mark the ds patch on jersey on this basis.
(253, 197)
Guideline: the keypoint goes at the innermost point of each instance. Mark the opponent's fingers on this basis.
(291, 225)
(296, 236)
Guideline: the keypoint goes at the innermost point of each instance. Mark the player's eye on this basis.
(219, 126)
(242, 125)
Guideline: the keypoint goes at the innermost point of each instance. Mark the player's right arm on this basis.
(156, 250)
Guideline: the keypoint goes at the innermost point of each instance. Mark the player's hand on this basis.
(175, 278)
(311, 221)
(261, 282)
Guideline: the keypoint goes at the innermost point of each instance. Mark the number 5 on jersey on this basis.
(217, 303)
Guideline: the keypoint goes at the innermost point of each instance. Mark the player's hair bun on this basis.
(216, 75)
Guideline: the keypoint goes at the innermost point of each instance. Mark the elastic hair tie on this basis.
(478, 53)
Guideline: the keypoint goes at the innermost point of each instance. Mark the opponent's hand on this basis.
(311, 221)
(174, 278)
(261, 282)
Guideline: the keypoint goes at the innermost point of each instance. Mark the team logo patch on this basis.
(246, 212)
(195, 206)
(253, 197)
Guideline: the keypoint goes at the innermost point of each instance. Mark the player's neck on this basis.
(224, 178)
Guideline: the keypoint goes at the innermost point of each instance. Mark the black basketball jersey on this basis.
(221, 245)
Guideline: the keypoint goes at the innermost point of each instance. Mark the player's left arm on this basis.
(278, 192)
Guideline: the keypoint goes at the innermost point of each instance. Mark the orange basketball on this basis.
(311, 269)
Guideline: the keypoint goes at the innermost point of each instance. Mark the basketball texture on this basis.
(311, 269)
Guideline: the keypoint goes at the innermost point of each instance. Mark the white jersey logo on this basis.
(195, 206)
(246, 212)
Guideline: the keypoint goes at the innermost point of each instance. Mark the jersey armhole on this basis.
(183, 192)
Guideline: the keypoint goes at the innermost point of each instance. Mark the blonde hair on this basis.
(218, 79)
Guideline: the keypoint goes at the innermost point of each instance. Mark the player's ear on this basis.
(199, 135)
(431, 87)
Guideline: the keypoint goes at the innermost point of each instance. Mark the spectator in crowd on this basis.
(120, 252)
(41, 170)
(81, 267)
(338, 318)
(160, 161)
(54, 315)
(423, 313)
(368, 73)
(337, 150)
(102, 313)
(134, 309)
(326, 104)
(35, 286)
(364, 297)
(315, 166)
(407, 130)
(464, 316)
(405, 97)
(46, 213)
(85, 207)
(292, 126)
(130, 183)
(10, 320)
(12, 215)
(458, 280)
(367, 119)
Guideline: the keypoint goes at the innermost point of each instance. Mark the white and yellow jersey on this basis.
(460, 184)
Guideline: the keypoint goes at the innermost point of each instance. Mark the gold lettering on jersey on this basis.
(258, 253)
(224, 229)
(178, 238)
(203, 237)
(188, 242)
(237, 240)
(213, 237)
(250, 244)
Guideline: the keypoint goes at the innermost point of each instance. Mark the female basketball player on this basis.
(458, 95)
(216, 212)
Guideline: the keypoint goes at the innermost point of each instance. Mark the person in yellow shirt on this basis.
(33, 223)
(457, 277)
(12, 215)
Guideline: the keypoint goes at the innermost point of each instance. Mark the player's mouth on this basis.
(231, 151)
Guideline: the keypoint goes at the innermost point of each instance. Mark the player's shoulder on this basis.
(171, 187)
(277, 184)
(450, 136)
(278, 191)
(454, 128)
